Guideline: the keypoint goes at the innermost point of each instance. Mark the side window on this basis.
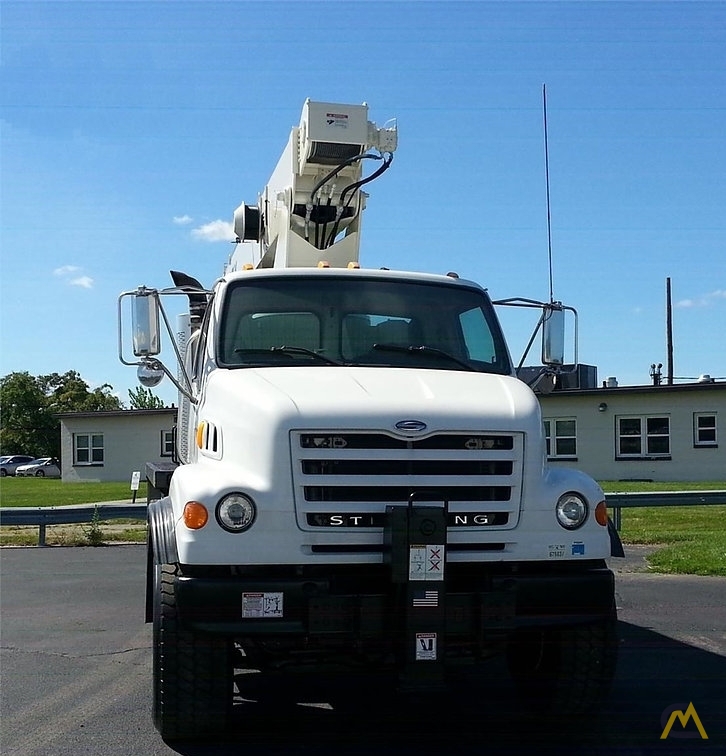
(477, 336)
(167, 443)
(88, 449)
(704, 429)
(198, 343)
(561, 437)
(643, 437)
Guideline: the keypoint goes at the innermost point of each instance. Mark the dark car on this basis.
(9, 464)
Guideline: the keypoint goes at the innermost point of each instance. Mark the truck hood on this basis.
(372, 397)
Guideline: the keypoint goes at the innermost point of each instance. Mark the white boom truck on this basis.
(362, 477)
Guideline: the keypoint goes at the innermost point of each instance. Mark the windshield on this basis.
(330, 320)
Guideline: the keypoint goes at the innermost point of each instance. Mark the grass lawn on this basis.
(50, 492)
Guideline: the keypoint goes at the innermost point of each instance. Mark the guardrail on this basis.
(70, 515)
(618, 501)
(84, 513)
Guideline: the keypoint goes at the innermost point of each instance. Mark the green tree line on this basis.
(30, 405)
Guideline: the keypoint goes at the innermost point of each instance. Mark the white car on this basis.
(44, 467)
(9, 464)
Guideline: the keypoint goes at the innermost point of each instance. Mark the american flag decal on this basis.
(425, 598)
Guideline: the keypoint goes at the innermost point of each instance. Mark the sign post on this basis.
(135, 480)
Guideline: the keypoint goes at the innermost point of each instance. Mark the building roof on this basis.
(120, 413)
(667, 388)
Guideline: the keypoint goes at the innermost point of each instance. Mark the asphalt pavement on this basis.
(76, 678)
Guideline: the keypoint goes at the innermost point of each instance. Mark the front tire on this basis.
(40, 474)
(192, 672)
(566, 669)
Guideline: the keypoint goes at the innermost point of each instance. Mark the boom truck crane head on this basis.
(310, 211)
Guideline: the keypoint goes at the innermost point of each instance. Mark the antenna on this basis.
(547, 181)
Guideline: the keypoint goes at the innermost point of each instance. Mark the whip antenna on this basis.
(547, 182)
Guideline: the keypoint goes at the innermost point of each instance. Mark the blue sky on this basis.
(131, 131)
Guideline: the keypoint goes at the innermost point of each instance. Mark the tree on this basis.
(26, 426)
(70, 393)
(29, 405)
(144, 398)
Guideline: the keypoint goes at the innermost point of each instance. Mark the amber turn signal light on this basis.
(195, 515)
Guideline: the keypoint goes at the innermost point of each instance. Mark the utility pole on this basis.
(669, 331)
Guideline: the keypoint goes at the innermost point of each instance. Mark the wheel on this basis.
(568, 669)
(39, 474)
(192, 672)
(3, 472)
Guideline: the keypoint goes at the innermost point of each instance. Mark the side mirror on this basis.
(553, 334)
(145, 324)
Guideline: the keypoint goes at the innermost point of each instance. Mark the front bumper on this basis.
(361, 603)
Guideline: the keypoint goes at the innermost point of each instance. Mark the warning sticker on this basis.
(337, 120)
(261, 605)
(425, 646)
(426, 562)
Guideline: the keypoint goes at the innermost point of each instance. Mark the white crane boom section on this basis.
(309, 213)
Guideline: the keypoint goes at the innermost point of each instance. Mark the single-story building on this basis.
(661, 433)
(111, 445)
(668, 432)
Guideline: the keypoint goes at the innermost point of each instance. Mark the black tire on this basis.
(3, 472)
(39, 474)
(568, 669)
(192, 672)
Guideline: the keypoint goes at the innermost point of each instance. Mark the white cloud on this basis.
(69, 275)
(217, 230)
(85, 282)
(66, 270)
(705, 301)
(182, 220)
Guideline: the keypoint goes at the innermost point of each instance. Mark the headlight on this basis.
(236, 512)
(571, 511)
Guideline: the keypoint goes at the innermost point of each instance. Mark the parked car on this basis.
(10, 463)
(44, 467)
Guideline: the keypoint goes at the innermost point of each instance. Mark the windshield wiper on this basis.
(423, 349)
(289, 351)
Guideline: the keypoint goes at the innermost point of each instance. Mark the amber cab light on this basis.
(601, 513)
(195, 515)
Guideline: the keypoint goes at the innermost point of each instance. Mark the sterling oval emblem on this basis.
(412, 426)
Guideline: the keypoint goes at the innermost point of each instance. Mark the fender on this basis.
(161, 545)
(161, 531)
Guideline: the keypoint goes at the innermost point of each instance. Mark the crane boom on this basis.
(310, 210)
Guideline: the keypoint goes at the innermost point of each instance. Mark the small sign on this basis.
(426, 562)
(256, 605)
(425, 646)
(135, 479)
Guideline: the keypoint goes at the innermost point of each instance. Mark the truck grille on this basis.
(346, 480)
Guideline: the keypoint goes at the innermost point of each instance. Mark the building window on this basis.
(167, 443)
(643, 437)
(88, 449)
(704, 429)
(561, 436)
